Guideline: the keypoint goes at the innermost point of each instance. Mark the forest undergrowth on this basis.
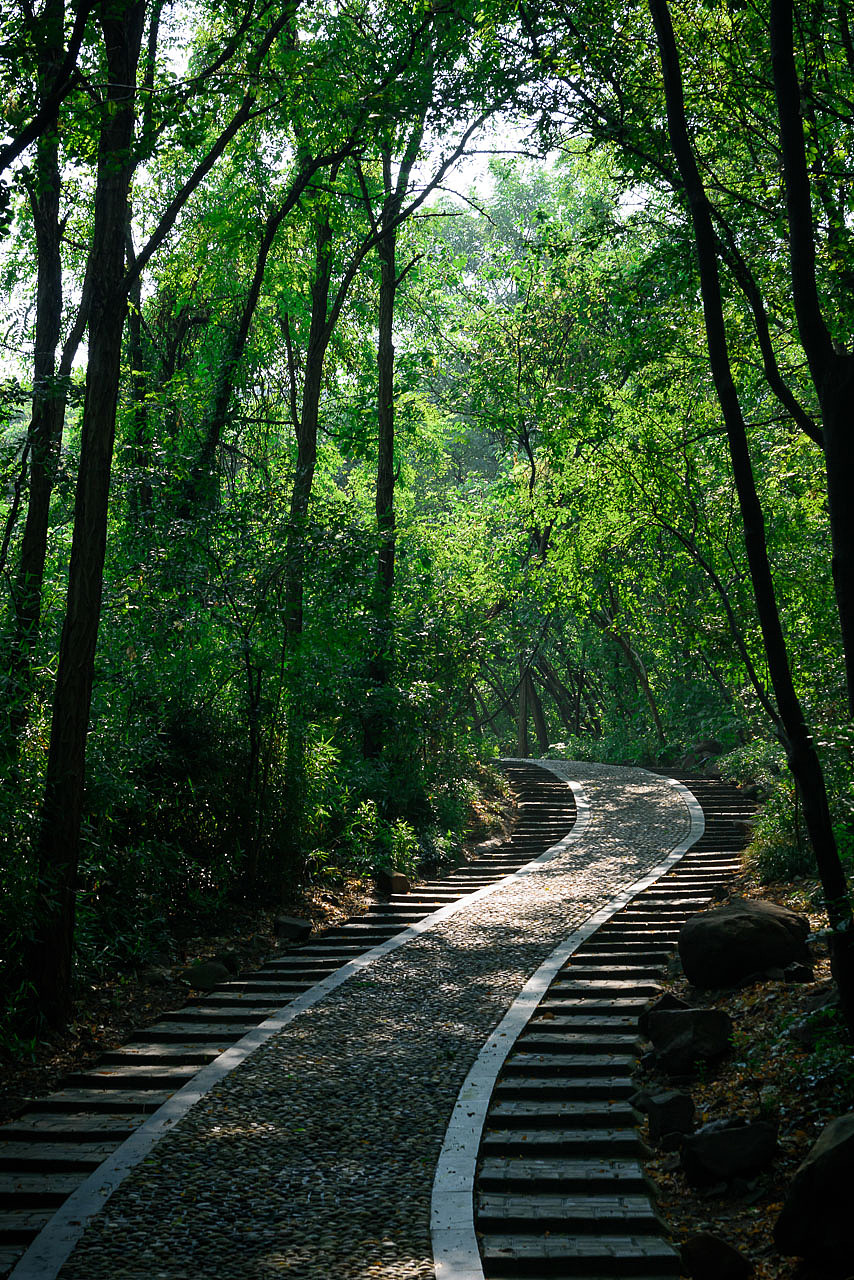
(791, 1063)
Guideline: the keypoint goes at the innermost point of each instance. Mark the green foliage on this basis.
(780, 848)
(566, 521)
(828, 1068)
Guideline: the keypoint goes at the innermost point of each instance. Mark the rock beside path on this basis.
(292, 928)
(205, 975)
(722, 947)
(708, 1257)
(684, 1037)
(815, 1223)
(728, 1149)
(389, 882)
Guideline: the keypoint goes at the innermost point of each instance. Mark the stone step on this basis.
(62, 1126)
(318, 950)
(436, 900)
(21, 1226)
(589, 1005)
(655, 918)
(592, 1088)
(54, 1157)
(616, 965)
(705, 866)
(582, 1024)
(9, 1255)
(579, 1257)
(274, 987)
(115, 1101)
(397, 919)
(631, 946)
(522, 1062)
(225, 1008)
(627, 933)
(193, 1031)
(576, 1214)
(574, 1043)
(560, 1113)
(563, 1140)
(372, 933)
(131, 1076)
(155, 1052)
(37, 1191)
(617, 987)
(562, 1174)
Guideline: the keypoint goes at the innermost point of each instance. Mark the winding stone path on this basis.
(315, 1158)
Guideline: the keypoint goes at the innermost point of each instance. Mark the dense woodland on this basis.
(330, 472)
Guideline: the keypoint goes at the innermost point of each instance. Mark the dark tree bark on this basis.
(522, 714)
(320, 333)
(139, 430)
(803, 759)
(48, 404)
(121, 26)
(566, 703)
(540, 725)
(831, 367)
(377, 719)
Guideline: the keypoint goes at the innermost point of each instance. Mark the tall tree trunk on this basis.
(139, 432)
(522, 718)
(803, 759)
(540, 726)
(831, 367)
(320, 332)
(121, 26)
(46, 420)
(376, 721)
(566, 704)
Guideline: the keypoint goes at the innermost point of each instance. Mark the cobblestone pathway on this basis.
(315, 1158)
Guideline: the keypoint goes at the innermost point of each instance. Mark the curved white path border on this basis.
(455, 1252)
(50, 1249)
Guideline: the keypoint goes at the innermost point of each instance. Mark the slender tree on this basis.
(122, 28)
(830, 363)
(800, 746)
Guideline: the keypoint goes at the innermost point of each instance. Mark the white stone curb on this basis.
(55, 1242)
(455, 1252)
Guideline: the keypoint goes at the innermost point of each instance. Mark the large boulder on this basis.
(708, 1257)
(683, 1037)
(722, 947)
(815, 1222)
(669, 1114)
(292, 928)
(727, 1149)
(205, 975)
(389, 882)
(666, 1001)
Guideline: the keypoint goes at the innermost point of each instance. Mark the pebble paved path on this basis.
(315, 1158)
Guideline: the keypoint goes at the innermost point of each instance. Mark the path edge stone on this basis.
(455, 1251)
